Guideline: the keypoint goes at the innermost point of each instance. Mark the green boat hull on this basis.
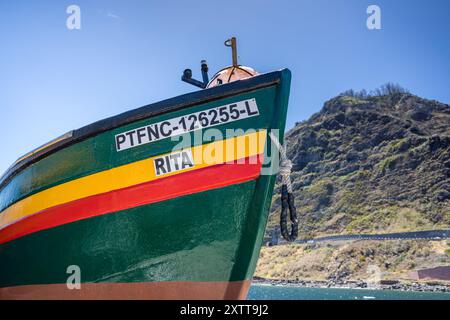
(191, 235)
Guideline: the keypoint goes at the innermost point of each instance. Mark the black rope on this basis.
(287, 204)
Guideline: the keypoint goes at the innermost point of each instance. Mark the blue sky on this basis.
(132, 53)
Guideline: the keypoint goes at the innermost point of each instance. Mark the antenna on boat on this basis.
(233, 44)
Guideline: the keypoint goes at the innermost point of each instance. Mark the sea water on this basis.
(272, 292)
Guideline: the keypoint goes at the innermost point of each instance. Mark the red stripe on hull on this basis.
(235, 290)
(155, 191)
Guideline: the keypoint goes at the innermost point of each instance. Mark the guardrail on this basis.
(414, 235)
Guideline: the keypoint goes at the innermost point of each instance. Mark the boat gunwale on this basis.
(147, 111)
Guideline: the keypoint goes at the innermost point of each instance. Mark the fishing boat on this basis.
(166, 201)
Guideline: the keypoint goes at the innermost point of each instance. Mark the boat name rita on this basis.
(173, 162)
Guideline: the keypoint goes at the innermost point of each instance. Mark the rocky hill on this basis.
(371, 163)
